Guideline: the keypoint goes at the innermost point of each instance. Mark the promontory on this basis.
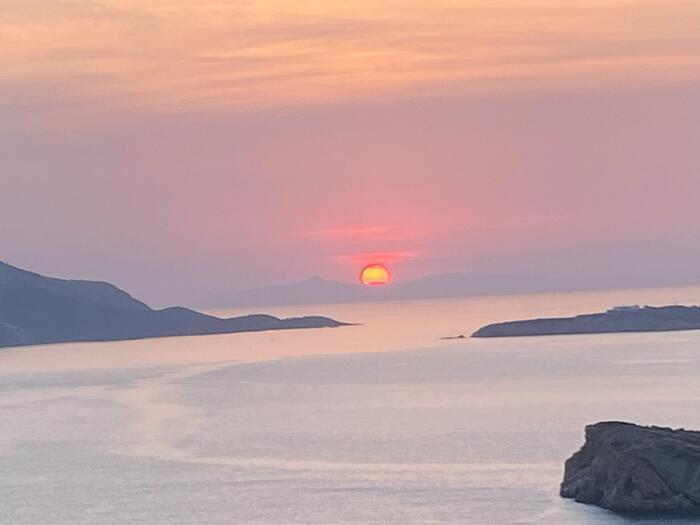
(35, 309)
(618, 319)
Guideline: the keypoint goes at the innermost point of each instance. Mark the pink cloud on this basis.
(378, 257)
(379, 231)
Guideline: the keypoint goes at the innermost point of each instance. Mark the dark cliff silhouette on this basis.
(35, 309)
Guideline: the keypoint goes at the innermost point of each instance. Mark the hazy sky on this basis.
(181, 149)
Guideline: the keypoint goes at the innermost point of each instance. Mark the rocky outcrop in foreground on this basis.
(631, 469)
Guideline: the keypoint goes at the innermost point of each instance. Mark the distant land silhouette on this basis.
(319, 291)
(618, 319)
(35, 309)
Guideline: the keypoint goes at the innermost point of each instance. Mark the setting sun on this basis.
(375, 274)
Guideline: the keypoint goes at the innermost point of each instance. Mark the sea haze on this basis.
(376, 423)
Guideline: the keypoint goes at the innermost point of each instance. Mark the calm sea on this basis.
(383, 422)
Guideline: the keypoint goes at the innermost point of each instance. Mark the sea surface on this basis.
(383, 422)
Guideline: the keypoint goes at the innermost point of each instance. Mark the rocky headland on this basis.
(35, 309)
(619, 319)
(637, 470)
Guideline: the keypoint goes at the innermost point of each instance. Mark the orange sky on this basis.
(81, 59)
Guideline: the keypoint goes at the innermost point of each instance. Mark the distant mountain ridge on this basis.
(35, 309)
(319, 291)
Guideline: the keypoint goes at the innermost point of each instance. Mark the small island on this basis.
(638, 470)
(35, 309)
(618, 319)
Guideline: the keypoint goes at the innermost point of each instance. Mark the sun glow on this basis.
(375, 274)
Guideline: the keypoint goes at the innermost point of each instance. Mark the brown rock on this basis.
(639, 470)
